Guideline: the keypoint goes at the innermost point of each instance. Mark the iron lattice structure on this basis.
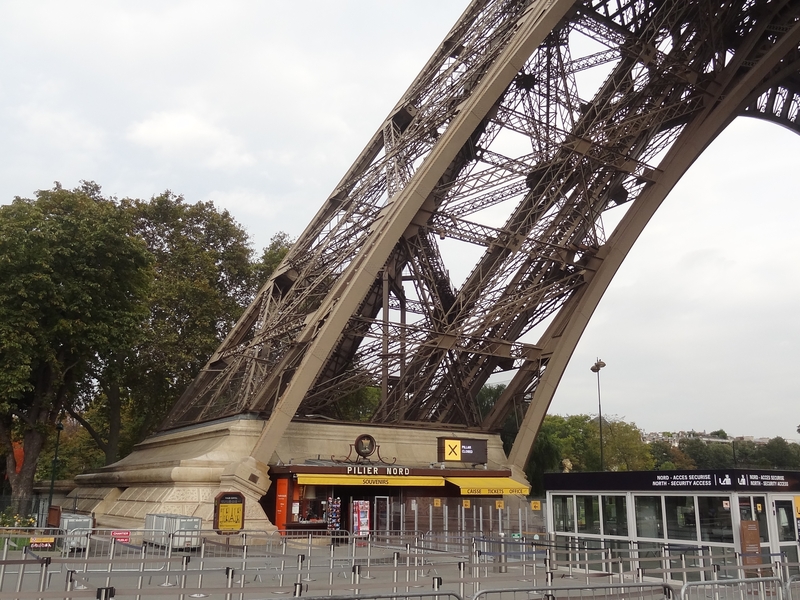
(468, 237)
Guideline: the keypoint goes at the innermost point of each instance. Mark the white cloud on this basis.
(65, 130)
(186, 137)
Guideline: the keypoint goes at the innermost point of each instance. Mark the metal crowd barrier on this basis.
(763, 587)
(633, 591)
(261, 565)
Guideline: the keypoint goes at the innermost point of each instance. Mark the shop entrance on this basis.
(382, 522)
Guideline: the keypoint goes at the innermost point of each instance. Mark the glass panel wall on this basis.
(681, 522)
(714, 513)
(563, 513)
(615, 515)
(588, 514)
(649, 520)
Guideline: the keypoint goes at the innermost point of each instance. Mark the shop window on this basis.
(714, 513)
(615, 515)
(563, 513)
(681, 521)
(588, 514)
(649, 520)
(311, 508)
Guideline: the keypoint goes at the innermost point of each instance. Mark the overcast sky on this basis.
(262, 106)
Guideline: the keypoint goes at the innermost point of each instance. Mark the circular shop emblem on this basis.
(365, 445)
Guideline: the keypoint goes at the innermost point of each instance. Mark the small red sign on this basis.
(121, 536)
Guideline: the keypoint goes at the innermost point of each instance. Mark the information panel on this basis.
(750, 543)
(229, 512)
(462, 450)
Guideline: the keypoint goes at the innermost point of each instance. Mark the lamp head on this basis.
(597, 366)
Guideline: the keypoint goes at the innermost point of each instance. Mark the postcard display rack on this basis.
(334, 513)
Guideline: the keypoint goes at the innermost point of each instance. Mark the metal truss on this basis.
(467, 237)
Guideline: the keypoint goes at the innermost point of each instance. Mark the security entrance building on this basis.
(749, 511)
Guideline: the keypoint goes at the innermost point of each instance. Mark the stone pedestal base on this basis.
(178, 473)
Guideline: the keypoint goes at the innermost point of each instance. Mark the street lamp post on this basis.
(596, 369)
(59, 429)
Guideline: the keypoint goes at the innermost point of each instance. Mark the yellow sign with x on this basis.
(452, 450)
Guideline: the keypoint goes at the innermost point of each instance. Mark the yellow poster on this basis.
(437, 502)
(499, 504)
(536, 505)
(231, 517)
(466, 503)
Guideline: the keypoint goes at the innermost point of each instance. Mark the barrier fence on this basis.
(109, 563)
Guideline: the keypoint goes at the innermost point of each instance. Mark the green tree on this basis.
(747, 454)
(358, 406)
(661, 452)
(697, 450)
(204, 280)
(777, 453)
(77, 453)
(272, 256)
(624, 448)
(545, 457)
(577, 438)
(73, 277)
(204, 277)
(720, 455)
(668, 457)
(714, 455)
(487, 396)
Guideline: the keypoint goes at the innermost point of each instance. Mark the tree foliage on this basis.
(667, 457)
(73, 279)
(204, 278)
(107, 312)
(487, 396)
(573, 442)
(776, 453)
(272, 256)
(357, 406)
(624, 448)
(578, 438)
(546, 457)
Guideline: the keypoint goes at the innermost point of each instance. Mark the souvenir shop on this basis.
(364, 492)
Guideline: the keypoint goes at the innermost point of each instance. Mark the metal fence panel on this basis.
(734, 589)
(633, 591)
